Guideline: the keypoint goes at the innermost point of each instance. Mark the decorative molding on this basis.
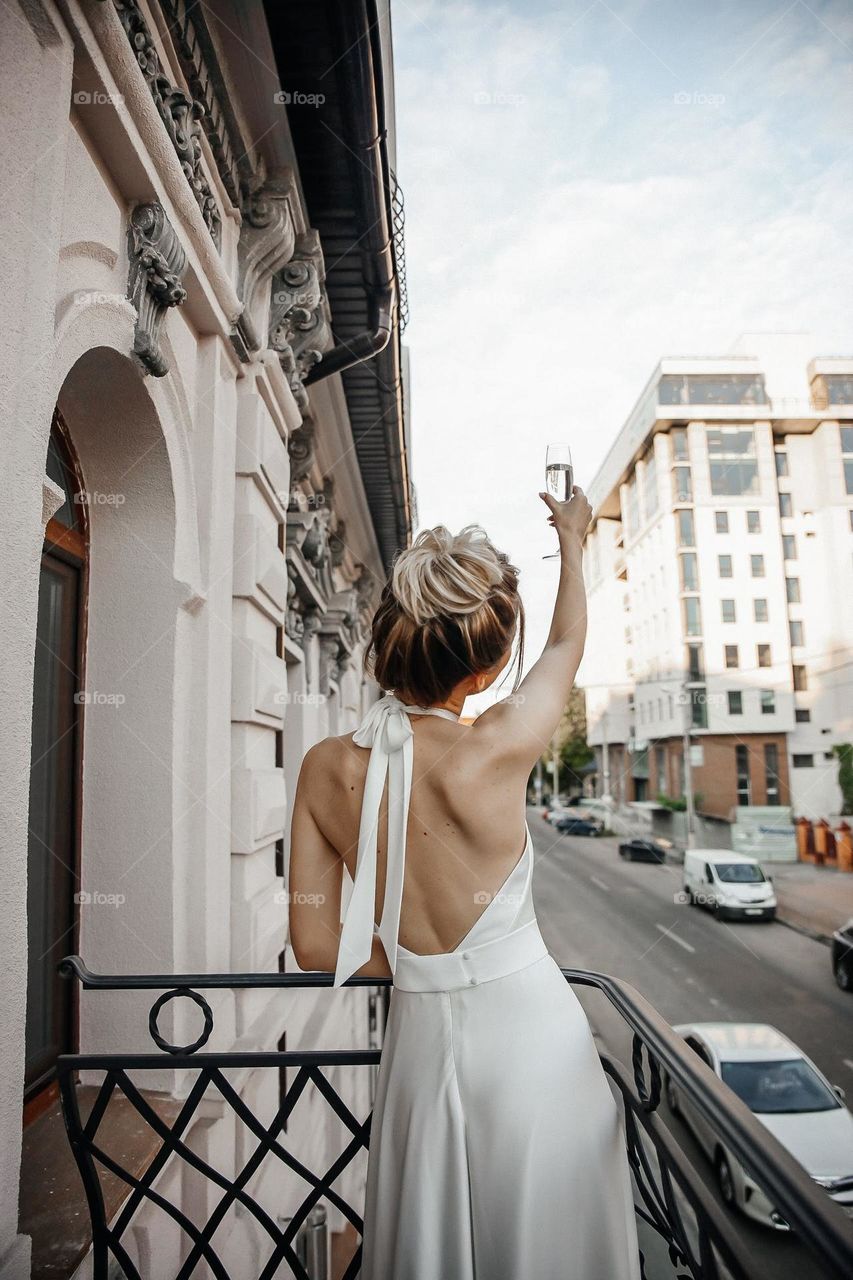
(191, 39)
(179, 112)
(301, 448)
(267, 241)
(299, 332)
(157, 263)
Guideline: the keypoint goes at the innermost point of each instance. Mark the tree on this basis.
(844, 753)
(569, 740)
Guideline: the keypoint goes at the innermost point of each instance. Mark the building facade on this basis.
(720, 569)
(207, 467)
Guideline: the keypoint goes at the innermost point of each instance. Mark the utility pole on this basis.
(605, 760)
(688, 764)
(554, 773)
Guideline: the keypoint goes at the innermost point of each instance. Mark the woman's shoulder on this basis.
(335, 757)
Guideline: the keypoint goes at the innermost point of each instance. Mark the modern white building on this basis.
(203, 491)
(720, 569)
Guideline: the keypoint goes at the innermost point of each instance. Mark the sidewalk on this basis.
(814, 900)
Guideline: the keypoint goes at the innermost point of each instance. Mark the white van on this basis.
(732, 885)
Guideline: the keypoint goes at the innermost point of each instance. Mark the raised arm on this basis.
(524, 723)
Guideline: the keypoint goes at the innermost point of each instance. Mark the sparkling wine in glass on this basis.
(559, 476)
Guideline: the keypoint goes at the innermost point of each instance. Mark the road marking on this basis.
(675, 938)
(600, 883)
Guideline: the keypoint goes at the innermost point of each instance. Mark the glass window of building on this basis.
(678, 436)
(682, 487)
(742, 772)
(759, 609)
(735, 702)
(753, 522)
(786, 506)
(798, 638)
(832, 388)
(800, 678)
(763, 652)
(724, 564)
(692, 616)
(781, 462)
(699, 708)
(727, 610)
(756, 566)
(847, 455)
(789, 546)
(802, 715)
(711, 388)
(689, 571)
(792, 590)
(768, 702)
(732, 659)
(731, 459)
(850, 514)
(721, 521)
(695, 665)
(686, 530)
(803, 761)
(771, 773)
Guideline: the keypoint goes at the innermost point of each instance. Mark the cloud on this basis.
(562, 240)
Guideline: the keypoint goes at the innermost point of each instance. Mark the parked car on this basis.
(644, 850)
(577, 826)
(786, 1092)
(842, 956)
(732, 885)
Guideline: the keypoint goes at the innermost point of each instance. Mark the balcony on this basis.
(202, 1199)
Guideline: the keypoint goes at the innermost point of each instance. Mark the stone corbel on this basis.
(157, 264)
(299, 332)
(267, 242)
(301, 448)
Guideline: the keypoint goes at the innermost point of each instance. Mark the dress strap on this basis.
(387, 731)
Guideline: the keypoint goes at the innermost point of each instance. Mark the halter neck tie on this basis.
(387, 731)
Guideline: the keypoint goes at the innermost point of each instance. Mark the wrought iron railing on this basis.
(678, 1218)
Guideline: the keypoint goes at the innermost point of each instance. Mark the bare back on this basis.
(465, 832)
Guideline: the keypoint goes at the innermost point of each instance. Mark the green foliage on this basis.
(844, 753)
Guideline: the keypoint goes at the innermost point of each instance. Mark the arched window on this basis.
(55, 768)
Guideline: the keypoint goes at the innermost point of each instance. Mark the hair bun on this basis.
(443, 574)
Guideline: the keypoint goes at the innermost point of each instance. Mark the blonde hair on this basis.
(449, 610)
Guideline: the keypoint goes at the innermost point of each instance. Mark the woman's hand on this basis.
(570, 518)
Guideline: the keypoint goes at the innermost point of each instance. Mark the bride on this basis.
(496, 1150)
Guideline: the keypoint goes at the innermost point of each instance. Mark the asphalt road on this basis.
(599, 912)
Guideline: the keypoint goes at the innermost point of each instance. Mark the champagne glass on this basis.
(559, 477)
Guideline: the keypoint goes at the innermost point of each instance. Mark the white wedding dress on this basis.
(496, 1148)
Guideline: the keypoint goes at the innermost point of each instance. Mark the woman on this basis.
(496, 1151)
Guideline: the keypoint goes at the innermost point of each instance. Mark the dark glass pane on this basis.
(51, 841)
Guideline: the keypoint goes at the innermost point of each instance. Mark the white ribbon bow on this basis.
(387, 731)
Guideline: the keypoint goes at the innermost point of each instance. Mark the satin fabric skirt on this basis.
(496, 1149)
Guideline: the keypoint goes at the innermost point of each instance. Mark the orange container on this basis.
(844, 846)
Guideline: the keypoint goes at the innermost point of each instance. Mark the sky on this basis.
(590, 187)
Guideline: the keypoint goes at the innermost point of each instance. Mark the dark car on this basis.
(842, 956)
(643, 850)
(578, 827)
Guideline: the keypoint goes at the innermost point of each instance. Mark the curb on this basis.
(805, 930)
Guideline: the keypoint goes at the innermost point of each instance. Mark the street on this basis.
(600, 912)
